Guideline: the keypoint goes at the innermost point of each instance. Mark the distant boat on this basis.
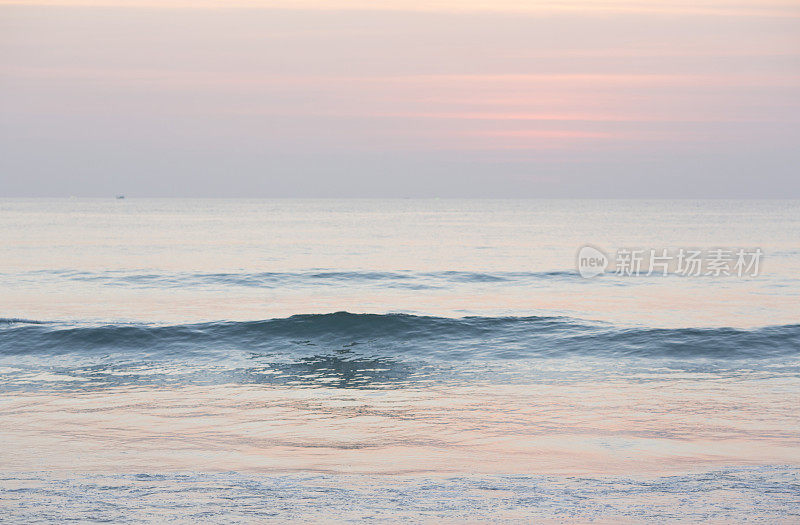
(120, 196)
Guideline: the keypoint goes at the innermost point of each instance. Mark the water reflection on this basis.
(343, 369)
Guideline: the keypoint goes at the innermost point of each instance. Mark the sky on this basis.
(400, 98)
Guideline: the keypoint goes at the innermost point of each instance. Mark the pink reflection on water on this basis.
(653, 427)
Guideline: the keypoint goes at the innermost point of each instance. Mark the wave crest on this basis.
(398, 335)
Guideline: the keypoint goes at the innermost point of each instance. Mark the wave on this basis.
(396, 336)
(398, 279)
(15, 320)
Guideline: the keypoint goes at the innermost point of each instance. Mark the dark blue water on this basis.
(363, 350)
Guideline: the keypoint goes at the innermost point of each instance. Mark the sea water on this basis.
(405, 360)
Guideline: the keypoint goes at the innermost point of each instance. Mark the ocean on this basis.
(238, 361)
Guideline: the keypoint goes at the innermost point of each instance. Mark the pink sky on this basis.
(400, 98)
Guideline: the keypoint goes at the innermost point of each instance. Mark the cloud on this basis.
(768, 8)
(255, 100)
